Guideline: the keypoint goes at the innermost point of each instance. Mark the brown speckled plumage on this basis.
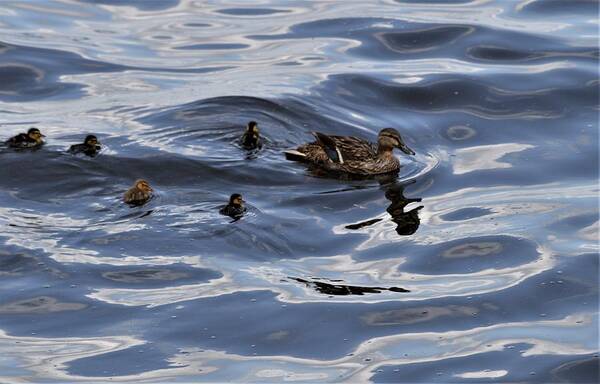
(348, 154)
(139, 194)
(31, 139)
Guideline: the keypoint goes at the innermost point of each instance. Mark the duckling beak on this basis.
(42, 135)
(404, 148)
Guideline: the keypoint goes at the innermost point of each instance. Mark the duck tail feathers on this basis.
(294, 155)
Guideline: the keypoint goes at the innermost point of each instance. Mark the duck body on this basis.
(85, 149)
(139, 194)
(31, 139)
(232, 211)
(251, 137)
(235, 208)
(352, 155)
(90, 147)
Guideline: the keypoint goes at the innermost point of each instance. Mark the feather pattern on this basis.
(22, 140)
(136, 196)
(347, 154)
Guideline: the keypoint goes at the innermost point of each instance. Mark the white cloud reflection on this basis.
(484, 157)
(34, 357)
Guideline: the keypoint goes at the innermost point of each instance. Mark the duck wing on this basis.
(19, 140)
(136, 196)
(77, 148)
(344, 148)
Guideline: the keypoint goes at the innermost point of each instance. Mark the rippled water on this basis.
(479, 263)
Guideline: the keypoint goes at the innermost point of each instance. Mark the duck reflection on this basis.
(343, 289)
(407, 222)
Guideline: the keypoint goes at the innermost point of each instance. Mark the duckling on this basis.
(235, 208)
(90, 146)
(348, 154)
(251, 138)
(31, 139)
(139, 194)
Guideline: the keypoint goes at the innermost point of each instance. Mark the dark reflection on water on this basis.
(557, 7)
(39, 305)
(478, 261)
(342, 289)
(407, 222)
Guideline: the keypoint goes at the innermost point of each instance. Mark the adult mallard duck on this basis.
(90, 146)
(31, 139)
(251, 137)
(235, 208)
(139, 194)
(348, 154)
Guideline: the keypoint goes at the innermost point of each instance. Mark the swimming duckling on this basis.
(139, 194)
(251, 138)
(31, 139)
(235, 208)
(90, 146)
(352, 155)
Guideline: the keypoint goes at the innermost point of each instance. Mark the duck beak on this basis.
(42, 135)
(404, 148)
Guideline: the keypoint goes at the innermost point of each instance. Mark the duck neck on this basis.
(384, 151)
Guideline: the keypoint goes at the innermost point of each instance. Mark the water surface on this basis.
(479, 262)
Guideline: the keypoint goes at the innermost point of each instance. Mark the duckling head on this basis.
(143, 185)
(236, 200)
(390, 138)
(91, 141)
(252, 128)
(35, 134)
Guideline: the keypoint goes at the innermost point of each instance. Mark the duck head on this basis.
(35, 134)
(252, 127)
(252, 130)
(390, 138)
(236, 200)
(92, 141)
(143, 185)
